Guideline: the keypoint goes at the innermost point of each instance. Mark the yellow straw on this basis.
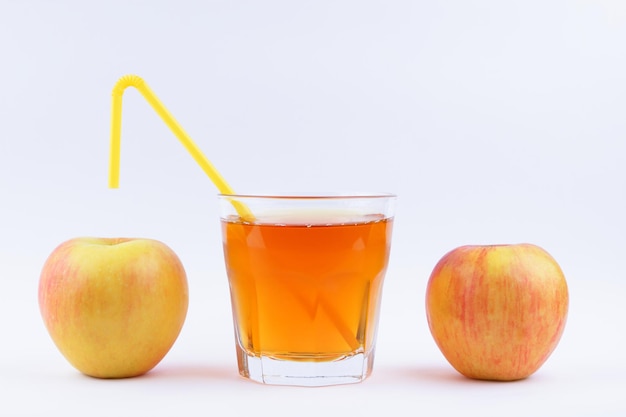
(114, 162)
(170, 121)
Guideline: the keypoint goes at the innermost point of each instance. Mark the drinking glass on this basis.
(306, 278)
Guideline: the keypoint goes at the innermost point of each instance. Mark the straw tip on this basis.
(114, 182)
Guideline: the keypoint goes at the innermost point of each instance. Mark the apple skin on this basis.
(497, 312)
(113, 307)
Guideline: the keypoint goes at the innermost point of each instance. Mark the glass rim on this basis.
(311, 196)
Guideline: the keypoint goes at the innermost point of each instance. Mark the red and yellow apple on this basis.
(497, 312)
(113, 307)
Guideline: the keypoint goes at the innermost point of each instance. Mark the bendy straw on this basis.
(242, 210)
(116, 128)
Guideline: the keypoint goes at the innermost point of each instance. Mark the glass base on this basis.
(267, 370)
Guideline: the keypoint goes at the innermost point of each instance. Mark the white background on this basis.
(494, 122)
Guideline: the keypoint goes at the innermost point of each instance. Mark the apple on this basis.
(497, 312)
(113, 307)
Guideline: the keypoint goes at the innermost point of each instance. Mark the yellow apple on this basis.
(497, 312)
(113, 307)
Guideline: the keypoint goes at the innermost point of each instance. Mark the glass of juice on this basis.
(306, 277)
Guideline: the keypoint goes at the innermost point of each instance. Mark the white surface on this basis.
(495, 122)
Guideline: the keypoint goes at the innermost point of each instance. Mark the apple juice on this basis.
(306, 291)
